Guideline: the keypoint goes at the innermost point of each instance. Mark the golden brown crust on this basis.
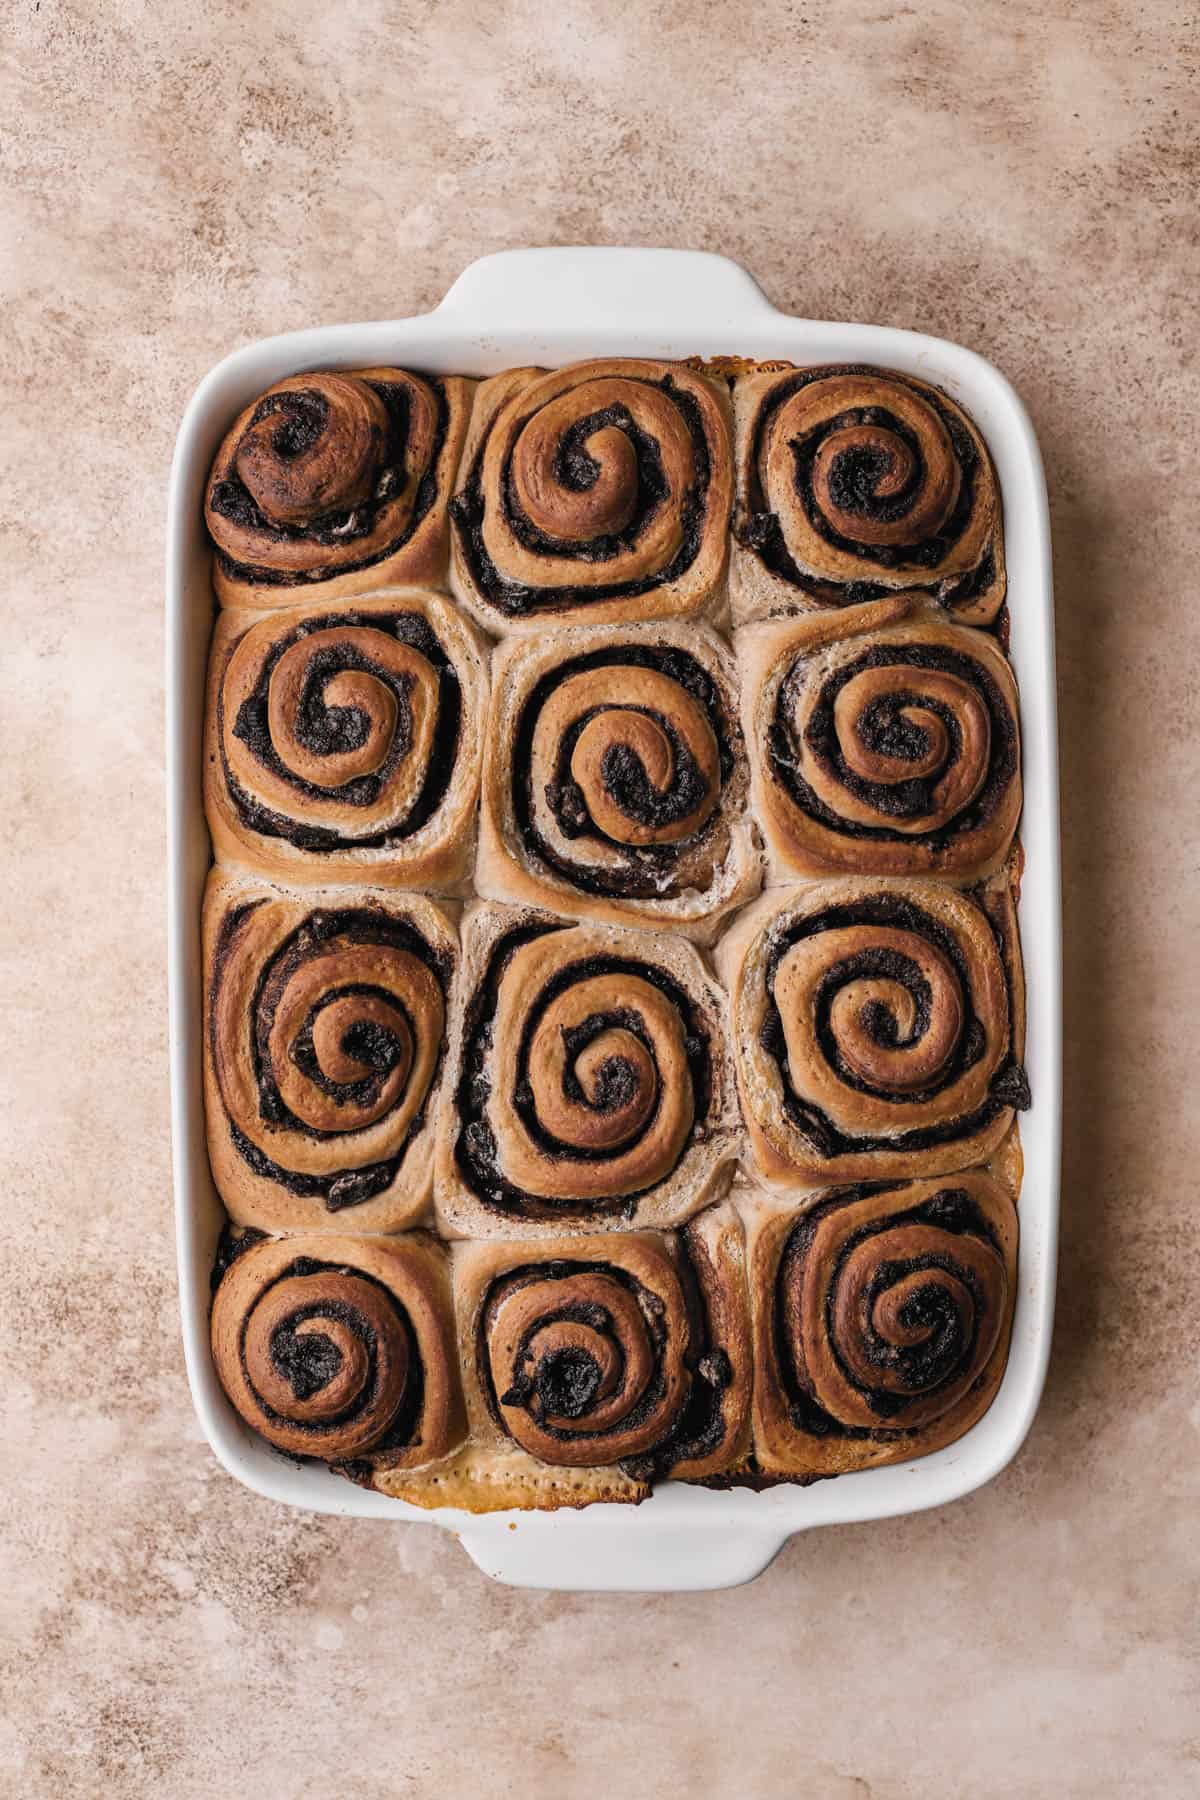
(637, 529)
(325, 1031)
(882, 1319)
(588, 1085)
(882, 742)
(666, 841)
(851, 477)
(476, 1480)
(877, 1026)
(344, 743)
(331, 485)
(342, 1348)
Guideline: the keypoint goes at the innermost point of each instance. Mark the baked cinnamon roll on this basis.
(595, 1366)
(615, 780)
(341, 1348)
(597, 494)
(881, 742)
(323, 1051)
(878, 1028)
(345, 742)
(335, 482)
(854, 480)
(588, 1084)
(882, 1317)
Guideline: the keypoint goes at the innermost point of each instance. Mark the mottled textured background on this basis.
(179, 178)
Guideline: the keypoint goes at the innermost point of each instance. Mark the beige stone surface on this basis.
(179, 177)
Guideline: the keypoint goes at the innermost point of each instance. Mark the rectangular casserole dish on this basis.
(552, 307)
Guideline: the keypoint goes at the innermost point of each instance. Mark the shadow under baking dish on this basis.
(554, 307)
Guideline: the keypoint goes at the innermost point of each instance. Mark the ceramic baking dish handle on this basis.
(596, 1549)
(595, 289)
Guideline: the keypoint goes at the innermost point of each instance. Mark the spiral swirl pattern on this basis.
(601, 490)
(340, 740)
(585, 1361)
(590, 1082)
(854, 480)
(887, 1320)
(325, 1035)
(340, 1348)
(875, 1031)
(615, 778)
(329, 477)
(892, 751)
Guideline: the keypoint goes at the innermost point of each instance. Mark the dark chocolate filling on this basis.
(625, 1019)
(475, 1150)
(326, 730)
(856, 474)
(923, 554)
(924, 1365)
(231, 498)
(626, 782)
(884, 730)
(562, 1382)
(615, 1080)
(337, 1191)
(884, 909)
(309, 1362)
(642, 866)
(302, 420)
(567, 1382)
(517, 598)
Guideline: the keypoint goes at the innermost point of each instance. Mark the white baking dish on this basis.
(552, 307)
